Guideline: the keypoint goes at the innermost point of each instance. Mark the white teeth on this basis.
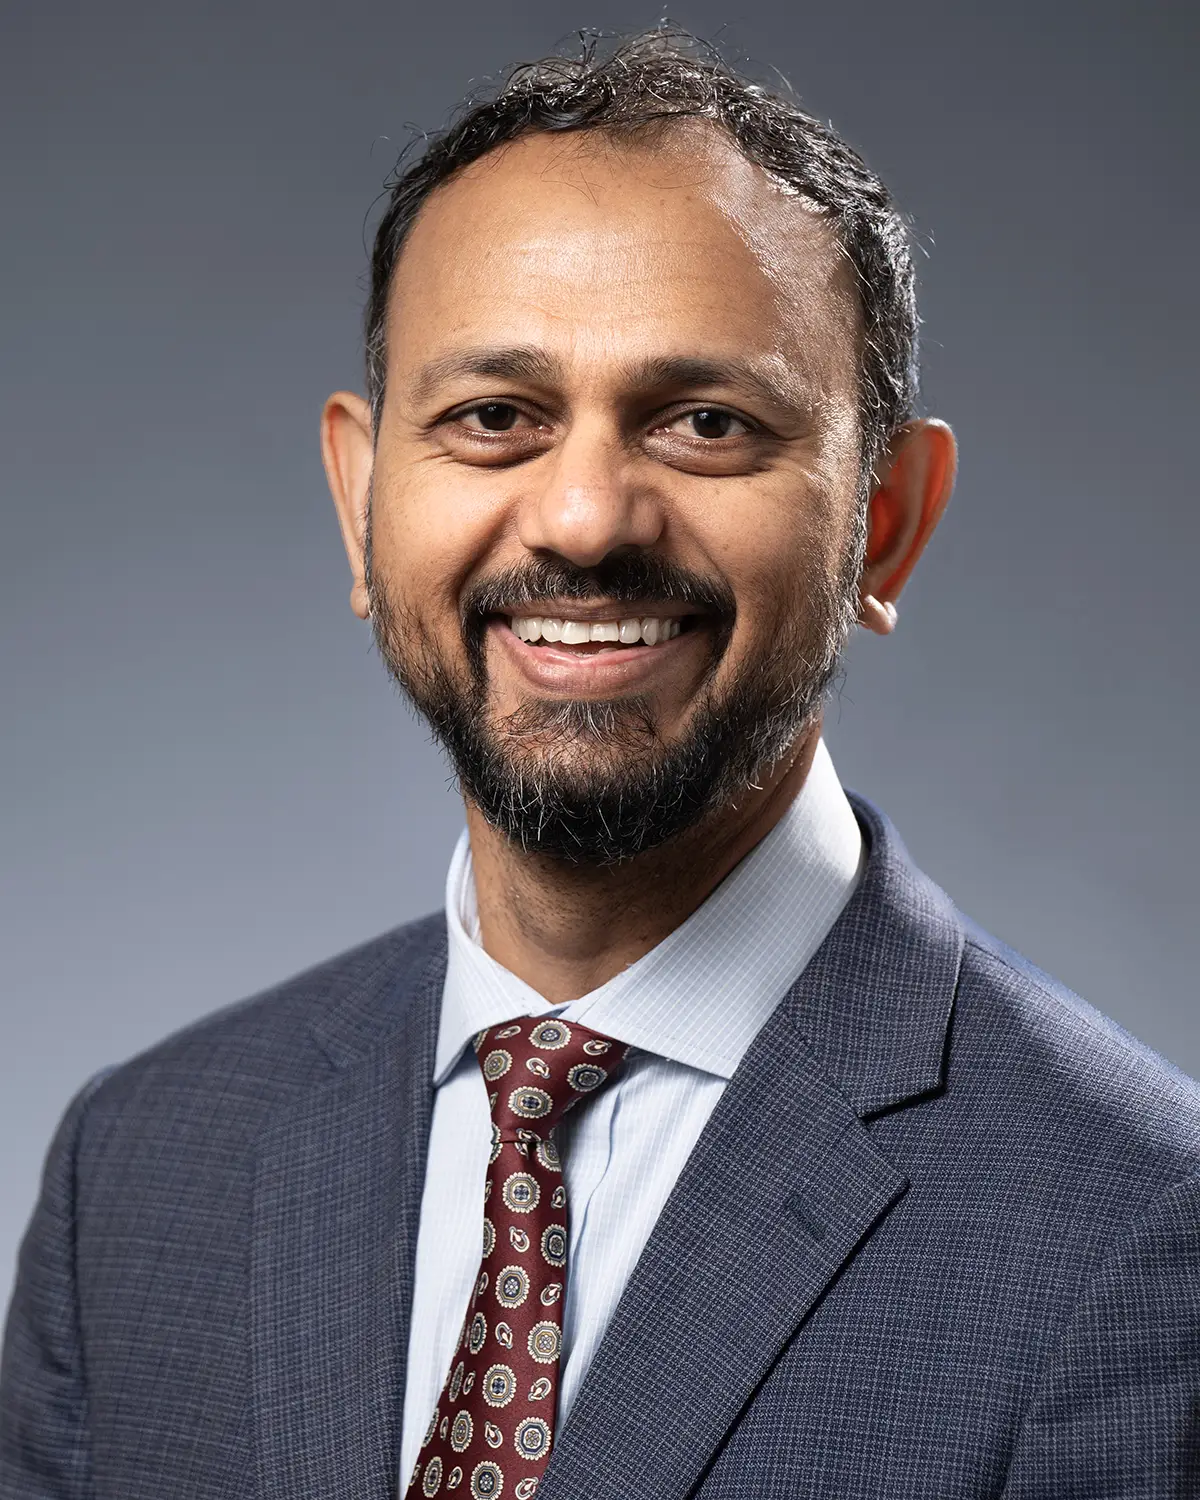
(578, 632)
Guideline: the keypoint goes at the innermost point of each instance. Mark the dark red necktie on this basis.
(493, 1427)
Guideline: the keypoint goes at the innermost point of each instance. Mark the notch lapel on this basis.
(783, 1186)
(337, 1204)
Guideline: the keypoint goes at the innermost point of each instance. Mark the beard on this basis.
(593, 782)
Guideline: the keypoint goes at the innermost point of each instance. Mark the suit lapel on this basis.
(337, 1203)
(784, 1185)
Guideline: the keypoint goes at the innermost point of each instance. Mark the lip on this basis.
(603, 673)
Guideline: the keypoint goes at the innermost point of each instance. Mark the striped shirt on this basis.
(691, 1007)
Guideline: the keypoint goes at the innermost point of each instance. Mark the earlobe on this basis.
(913, 487)
(348, 453)
(877, 615)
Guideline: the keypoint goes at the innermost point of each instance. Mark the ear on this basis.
(348, 453)
(913, 485)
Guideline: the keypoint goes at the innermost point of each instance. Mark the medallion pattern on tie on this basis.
(493, 1428)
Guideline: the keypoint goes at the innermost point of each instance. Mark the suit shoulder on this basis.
(264, 1046)
(1063, 1069)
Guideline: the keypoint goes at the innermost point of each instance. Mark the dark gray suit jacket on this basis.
(941, 1238)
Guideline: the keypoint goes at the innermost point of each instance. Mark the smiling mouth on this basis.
(592, 635)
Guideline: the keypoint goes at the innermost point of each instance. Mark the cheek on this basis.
(427, 539)
(779, 548)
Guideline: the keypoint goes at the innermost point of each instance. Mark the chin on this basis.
(561, 732)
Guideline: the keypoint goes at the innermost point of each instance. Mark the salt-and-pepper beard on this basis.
(593, 782)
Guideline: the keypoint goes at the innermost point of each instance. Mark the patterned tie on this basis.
(493, 1427)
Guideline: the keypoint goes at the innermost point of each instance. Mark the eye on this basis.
(709, 422)
(491, 416)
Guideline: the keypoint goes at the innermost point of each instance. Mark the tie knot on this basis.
(536, 1071)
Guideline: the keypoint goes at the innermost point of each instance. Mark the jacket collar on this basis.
(378, 982)
(874, 1003)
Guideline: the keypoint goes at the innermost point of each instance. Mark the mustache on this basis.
(636, 579)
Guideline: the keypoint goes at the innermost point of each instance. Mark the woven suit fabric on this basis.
(941, 1237)
(492, 1430)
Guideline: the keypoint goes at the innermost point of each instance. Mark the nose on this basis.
(589, 503)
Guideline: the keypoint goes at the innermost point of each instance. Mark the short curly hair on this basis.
(635, 84)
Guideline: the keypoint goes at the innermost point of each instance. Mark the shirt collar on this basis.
(702, 995)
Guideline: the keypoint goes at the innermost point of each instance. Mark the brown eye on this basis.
(710, 422)
(496, 416)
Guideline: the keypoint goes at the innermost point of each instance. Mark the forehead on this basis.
(592, 246)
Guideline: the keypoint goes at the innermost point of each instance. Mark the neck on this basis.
(567, 929)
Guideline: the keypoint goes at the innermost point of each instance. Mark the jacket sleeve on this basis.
(1116, 1412)
(44, 1452)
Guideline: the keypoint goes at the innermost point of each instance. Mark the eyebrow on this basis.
(516, 362)
(527, 362)
(776, 390)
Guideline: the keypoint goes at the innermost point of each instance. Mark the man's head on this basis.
(641, 348)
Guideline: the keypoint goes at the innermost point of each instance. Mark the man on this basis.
(701, 1147)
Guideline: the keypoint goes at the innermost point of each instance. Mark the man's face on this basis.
(621, 401)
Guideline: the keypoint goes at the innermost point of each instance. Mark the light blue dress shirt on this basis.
(691, 1007)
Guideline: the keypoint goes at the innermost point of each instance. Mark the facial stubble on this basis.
(594, 782)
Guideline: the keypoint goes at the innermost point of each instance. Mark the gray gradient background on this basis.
(207, 781)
